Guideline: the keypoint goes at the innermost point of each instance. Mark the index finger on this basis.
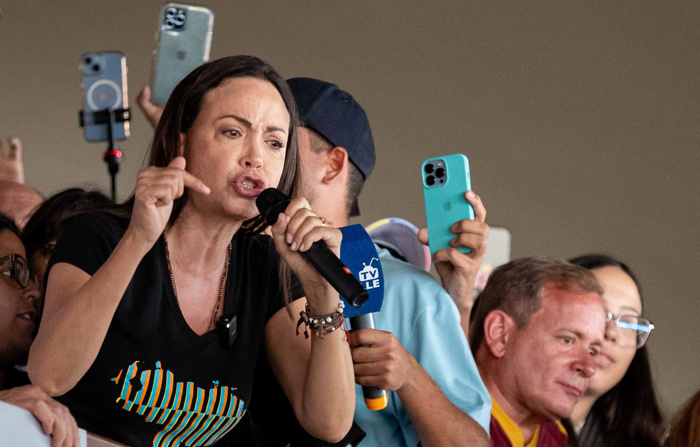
(194, 183)
(365, 336)
(476, 203)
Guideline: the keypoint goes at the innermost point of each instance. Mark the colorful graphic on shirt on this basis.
(190, 415)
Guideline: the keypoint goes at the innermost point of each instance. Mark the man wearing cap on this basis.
(418, 351)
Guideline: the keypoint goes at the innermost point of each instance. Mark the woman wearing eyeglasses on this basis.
(619, 407)
(18, 300)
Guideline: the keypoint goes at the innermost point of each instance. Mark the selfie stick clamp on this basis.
(112, 156)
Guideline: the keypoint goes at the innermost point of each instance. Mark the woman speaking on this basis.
(131, 337)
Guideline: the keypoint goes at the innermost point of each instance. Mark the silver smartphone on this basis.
(183, 42)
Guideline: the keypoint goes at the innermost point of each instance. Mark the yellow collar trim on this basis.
(510, 428)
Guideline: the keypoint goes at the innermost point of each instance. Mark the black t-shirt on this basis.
(155, 381)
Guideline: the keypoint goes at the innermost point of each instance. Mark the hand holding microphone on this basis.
(310, 246)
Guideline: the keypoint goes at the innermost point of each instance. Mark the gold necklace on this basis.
(224, 274)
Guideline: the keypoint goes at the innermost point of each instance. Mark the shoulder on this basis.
(86, 241)
(400, 274)
(413, 289)
(92, 221)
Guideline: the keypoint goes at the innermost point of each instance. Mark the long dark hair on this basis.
(184, 105)
(629, 413)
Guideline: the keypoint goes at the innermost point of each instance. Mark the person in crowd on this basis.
(46, 223)
(536, 331)
(151, 329)
(417, 350)
(17, 200)
(18, 310)
(619, 407)
(685, 426)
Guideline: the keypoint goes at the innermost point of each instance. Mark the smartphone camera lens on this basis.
(430, 180)
(440, 172)
(88, 60)
(95, 68)
(429, 169)
(170, 13)
(178, 20)
(169, 23)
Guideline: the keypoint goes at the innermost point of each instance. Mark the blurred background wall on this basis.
(580, 119)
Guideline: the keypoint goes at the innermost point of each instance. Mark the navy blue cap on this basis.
(336, 115)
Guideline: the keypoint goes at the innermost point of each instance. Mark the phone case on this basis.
(104, 88)
(444, 198)
(183, 44)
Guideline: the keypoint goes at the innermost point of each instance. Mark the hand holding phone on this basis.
(464, 230)
(445, 180)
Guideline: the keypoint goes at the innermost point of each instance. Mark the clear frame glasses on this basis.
(15, 266)
(632, 329)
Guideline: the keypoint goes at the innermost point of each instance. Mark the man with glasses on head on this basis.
(18, 310)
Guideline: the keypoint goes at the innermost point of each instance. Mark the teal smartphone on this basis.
(183, 44)
(445, 180)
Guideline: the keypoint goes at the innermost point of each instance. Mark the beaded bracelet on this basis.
(323, 324)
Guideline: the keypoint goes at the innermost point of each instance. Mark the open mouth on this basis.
(248, 185)
(27, 316)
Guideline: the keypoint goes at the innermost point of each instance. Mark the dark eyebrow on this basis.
(249, 124)
(276, 129)
(238, 118)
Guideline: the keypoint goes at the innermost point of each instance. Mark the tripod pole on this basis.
(113, 155)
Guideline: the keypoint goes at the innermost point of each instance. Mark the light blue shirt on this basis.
(422, 315)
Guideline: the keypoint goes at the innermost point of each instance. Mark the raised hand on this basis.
(151, 111)
(457, 270)
(156, 190)
(55, 419)
(11, 166)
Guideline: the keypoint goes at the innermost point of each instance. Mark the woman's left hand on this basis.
(295, 231)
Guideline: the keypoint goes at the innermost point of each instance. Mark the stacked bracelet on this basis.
(323, 324)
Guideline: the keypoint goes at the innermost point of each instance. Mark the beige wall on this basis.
(580, 119)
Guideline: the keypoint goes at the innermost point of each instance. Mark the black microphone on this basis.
(375, 398)
(271, 202)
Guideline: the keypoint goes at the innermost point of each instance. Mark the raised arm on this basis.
(315, 374)
(78, 307)
(457, 270)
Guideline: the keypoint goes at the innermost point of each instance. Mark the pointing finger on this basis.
(195, 184)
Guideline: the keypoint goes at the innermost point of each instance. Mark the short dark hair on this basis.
(320, 144)
(516, 288)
